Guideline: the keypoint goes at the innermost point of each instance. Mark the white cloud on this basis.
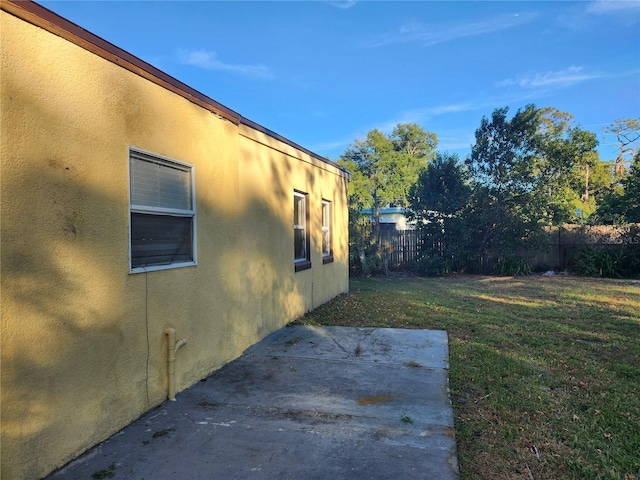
(456, 140)
(453, 108)
(420, 115)
(452, 141)
(560, 78)
(332, 145)
(602, 7)
(344, 5)
(431, 34)
(209, 61)
(460, 143)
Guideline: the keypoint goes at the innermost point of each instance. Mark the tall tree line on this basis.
(525, 172)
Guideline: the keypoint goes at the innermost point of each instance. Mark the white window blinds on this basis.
(160, 185)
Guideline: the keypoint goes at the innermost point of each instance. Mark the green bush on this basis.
(377, 264)
(513, 266)
(431, 266)
(599, 262)
(355, 267)
(374, 264)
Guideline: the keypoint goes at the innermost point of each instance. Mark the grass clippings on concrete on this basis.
(545, 371)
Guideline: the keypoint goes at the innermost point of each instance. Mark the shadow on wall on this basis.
(63, 320)
(84, 351)
(71, 369)
(75, 323)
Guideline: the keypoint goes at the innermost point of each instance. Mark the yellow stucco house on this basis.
(137, 213)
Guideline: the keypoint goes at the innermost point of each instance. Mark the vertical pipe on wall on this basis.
(172, 347)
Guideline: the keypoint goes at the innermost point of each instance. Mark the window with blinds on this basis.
(300, 232)
(326, 232)
(162, 233)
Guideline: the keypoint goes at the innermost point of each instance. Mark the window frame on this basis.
(327, 224)
(302, 263)
(144, 155)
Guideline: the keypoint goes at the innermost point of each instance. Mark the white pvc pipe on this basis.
(172, 348)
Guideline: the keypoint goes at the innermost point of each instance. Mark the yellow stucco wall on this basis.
(83, 349)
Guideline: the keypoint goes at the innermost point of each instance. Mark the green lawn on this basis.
(545, 371)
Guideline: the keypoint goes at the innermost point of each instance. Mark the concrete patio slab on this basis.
(305, 403)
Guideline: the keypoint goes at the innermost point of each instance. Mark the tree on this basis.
(627, 137)
(442, 189)
(507, 200)
(360, 233)
(622, 203)
(410, 139)
(631, 197)
(590, 179)
(384, 168)
(437, 201)
(503, 157)
(563, 150)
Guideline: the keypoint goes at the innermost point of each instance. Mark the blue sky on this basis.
(324, 73)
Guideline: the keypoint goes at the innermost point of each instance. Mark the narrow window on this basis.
(162, 214)
(327, 252)
(300, 232)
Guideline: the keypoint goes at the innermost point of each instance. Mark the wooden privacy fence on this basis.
(566, 241)
(403, 246)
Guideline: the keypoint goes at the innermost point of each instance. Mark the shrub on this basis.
(377, 264)
(630, 267)
(599, 262)
(513, 266)
(431, 266)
